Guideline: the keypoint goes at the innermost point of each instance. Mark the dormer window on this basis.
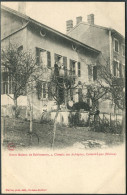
(116, 45)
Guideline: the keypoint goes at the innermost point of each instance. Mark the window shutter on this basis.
(79, 69)
(37, 56)
(70, 67)
(48, 59)
(90, 72)
(120, 70)
(95, 73)
(65, 64)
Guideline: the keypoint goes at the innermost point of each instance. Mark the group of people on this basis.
(58, 69)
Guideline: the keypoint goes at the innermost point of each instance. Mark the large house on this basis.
(49, 47)
(107, 40)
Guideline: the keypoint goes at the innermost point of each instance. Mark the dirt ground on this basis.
(79, 137)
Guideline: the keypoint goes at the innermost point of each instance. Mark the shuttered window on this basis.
(48, 59)
(72, 67)
(79, 69)
(90, 72)
(120, 70)
(50, 92)
(44, 90)
(116, 45)
(65, 64)
(95, 73)
(115, 68)
(38, 56)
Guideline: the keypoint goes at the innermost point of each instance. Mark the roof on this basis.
(97, 26)
(48, 28)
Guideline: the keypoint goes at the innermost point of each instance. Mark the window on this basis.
(44, 90)
(60, 63)
(94, 73)
(72, 68)
(65, 64)
(90, 72)
(6, 83)
(58, 59)
(123, 50)
(117, 69)
(50, 92)
(43, 57)
(79, 69)
(116, 45)
(120, 70)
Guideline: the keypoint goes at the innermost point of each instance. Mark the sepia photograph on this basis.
(63, 97)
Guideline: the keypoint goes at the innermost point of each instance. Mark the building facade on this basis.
(110, 42)
(50, 47)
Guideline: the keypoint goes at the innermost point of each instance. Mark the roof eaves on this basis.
(63, 35)
(15, 12)
(48, 28)
(97, 26)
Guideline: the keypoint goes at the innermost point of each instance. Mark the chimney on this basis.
(22, 7)
(78, 19)
(69, 25)
(90, 19)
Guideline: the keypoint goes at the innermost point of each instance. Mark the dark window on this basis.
(79, 69)
(38, 56)
(95, 73)
(65, 64)
(115, 68)
(44, 90)
(120, 70)
(90, 73)
(48, 59)
(49, 91)
(116, 46)
(6, 83)
(72, 67)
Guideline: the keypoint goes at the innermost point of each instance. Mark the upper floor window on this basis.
(117, 69)
(72, 67)
(79, 69)
(43, 57)
(116, 45)
(123, 50)
(92, 73)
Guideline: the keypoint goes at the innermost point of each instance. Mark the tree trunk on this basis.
(54, 128)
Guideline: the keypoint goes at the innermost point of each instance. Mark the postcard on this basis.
(63, 97)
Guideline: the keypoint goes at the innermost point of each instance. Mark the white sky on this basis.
(55, 14)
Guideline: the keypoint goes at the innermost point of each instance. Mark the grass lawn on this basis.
(65, 136)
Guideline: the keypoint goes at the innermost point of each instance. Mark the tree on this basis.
(61, 82)
(21, 69)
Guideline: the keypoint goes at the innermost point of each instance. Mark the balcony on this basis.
(62, 73)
